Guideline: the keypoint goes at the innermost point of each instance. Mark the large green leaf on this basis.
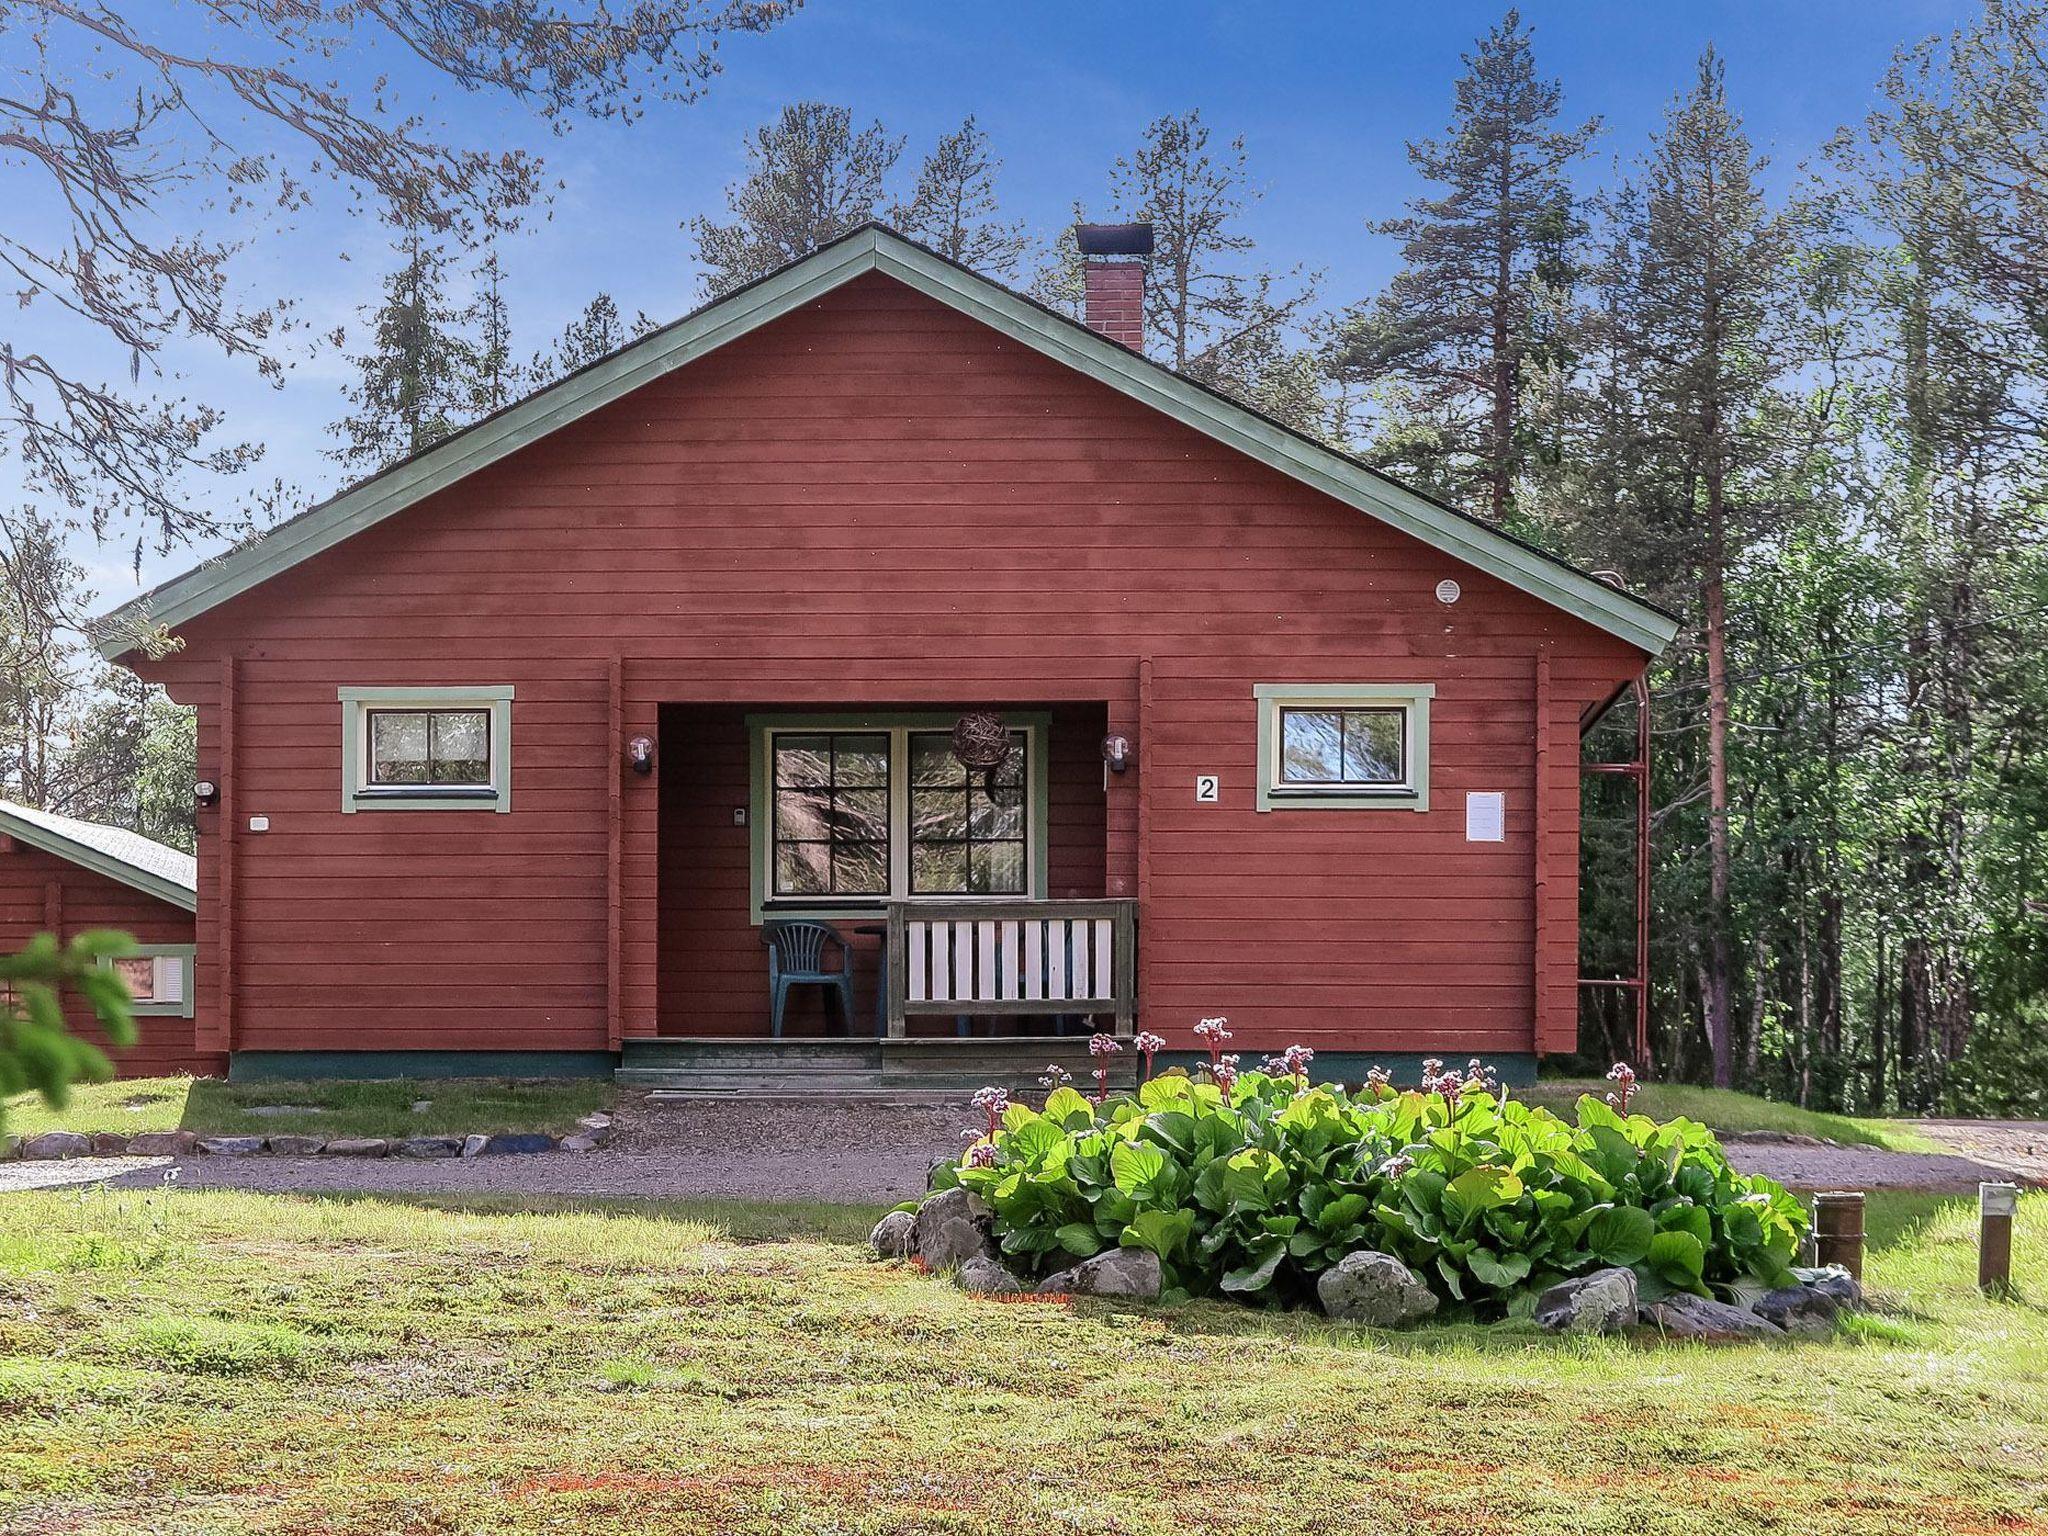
(1137, 1167)
(1164, 1232)
(1620, 1235)
(1497, 1270)
(1258, 1273)
(1080, 1239)
(1678, 1258)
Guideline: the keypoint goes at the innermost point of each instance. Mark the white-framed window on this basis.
(159, 978)
(1345, 746)
(851, 812)
(421, 749)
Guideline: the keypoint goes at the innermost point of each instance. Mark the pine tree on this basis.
(810, 178)
(596, 333)
(498, 380)
(416, 383)
(953, 207)
(1483, 263)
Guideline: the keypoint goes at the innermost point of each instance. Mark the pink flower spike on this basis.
(1055, 1076)
(1104, 1045)
(1148, 1045)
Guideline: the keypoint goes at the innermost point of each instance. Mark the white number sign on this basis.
(1208, 789)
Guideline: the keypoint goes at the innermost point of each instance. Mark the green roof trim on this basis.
(874, 248)
(128, 858)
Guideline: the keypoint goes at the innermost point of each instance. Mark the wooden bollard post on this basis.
(1838, 1230)
(1996, 1205)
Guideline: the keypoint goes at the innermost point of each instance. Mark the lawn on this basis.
(457, 1107)
(213, 1362)
(1728, 1111)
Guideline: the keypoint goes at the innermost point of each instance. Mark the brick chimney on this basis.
(1113, 258)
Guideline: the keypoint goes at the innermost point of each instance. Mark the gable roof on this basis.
(128, 857)
(876, 248)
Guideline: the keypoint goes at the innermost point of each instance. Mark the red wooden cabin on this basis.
(1305, 742)
(62, 876)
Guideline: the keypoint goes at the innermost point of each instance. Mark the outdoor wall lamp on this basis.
(640, 753)
(205, 792)
(1116, 753)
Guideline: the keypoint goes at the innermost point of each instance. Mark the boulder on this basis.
(109, 1144)
(891, 1237)
(1602, 1302)
(1801, 1309)
(1119, 1272)
(596, 1129)
(473, 1146)
(1376, 1289)
(162, 1144)
(517, 1143)
(429, 1146)
(295, 1146)
(230, 1146)
(358, 1146)
(582, 1141)
(984, 1276)
(1686, 1316)
(1834, 1281)
(51, 1145)
(952, 1227)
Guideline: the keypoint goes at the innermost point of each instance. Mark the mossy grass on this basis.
(212, 1362)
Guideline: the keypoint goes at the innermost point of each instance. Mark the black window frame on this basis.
(372, 787)
(1285, 783)
(776, 841)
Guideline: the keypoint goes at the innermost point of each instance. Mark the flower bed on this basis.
(1263, 1187)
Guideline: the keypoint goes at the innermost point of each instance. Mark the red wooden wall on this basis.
(41, 893)
(875, 498)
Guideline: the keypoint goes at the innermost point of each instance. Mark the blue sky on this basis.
(1324, 95)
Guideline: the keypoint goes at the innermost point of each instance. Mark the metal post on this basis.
(1838, 1230)
(1996, 1205)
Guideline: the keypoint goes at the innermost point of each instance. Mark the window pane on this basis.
(1372, 746)
(932, 760)
(860, 869)
(461, 744)
(398, 747)
(1311, 746)
(862, 814)
(803, 869)
(938, 869)
(803, 762)
(1012, 771)
(139, 971)
(996, 869)
(860, 760)
(938, 814)
(803, 813)
(989, 819)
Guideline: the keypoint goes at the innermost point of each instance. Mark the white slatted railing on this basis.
(1012, 957)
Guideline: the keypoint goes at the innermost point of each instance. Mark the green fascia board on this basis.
(760, 812)
(873, 248)
(146, 881)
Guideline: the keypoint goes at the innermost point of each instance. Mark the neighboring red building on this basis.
(63, 876)
(775, 552)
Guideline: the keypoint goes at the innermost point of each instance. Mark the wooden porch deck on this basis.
(743, 1067)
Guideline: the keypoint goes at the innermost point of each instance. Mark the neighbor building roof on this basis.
(128, 857)
(876, 248)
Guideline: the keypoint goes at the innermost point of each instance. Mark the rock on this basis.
(952, 1227)
(1801, 1309)
(473, 1145)
(1376, 1289)
(517, 1143)
(429, 1146)
(891, 1237)
(295, 1146)
(597, 1129)
(1119, 1272)
(109, 1144)
(1685, 1316)
(1602, 1302)
(1834, 1281)
(162, 1144)
(358, 1146)
(985, 1276)
(52, 1145)
(230, 1146)
(582, 1141)
(421, 1106)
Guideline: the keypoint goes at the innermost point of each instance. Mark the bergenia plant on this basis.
(981, 1155)
(1055, 1076)
(1224, 1070)
(1432, 1072)
(1148, 1045)
(1212, 1033)
(1295, 1061)
(993, 1101)
(1102, 1047)
(1623, 1076)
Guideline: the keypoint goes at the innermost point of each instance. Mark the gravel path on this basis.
(877, 1154)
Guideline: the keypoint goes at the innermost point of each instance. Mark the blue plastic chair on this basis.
(796, 958)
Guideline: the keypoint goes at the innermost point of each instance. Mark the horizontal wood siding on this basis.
(36, 886)
(875, 498)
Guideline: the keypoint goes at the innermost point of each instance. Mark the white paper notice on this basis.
(1486, 818)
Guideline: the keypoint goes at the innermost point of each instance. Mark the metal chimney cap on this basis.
(1114, 239)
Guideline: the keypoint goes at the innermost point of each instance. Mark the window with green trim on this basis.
(159, 978)
(1345, 746)
(967, 829)
(831, 812)
(426, 749)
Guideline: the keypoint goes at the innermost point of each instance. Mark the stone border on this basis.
(592, 1131)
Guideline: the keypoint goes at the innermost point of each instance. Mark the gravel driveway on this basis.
(877, 1154)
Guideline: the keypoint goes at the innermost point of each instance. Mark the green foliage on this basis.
(37, 1052)
(1255, 1194)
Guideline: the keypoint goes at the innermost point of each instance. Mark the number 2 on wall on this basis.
(1207, 789)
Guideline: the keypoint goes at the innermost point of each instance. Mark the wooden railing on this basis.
(1012, 957)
